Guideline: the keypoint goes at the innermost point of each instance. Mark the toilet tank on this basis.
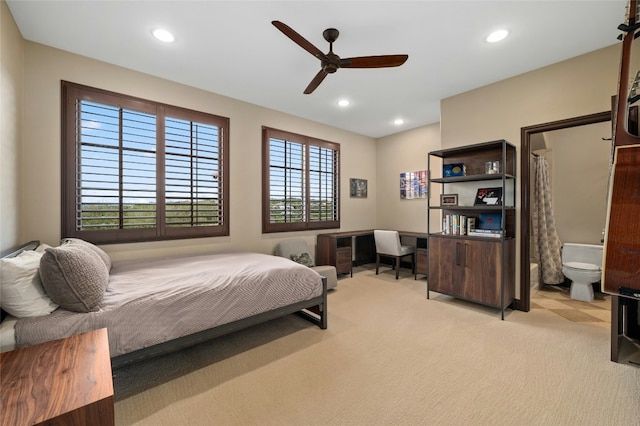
(585, 253)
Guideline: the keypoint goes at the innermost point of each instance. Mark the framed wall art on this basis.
(414, 185)
(358, 188)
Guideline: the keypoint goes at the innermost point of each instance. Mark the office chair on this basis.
(388, 244)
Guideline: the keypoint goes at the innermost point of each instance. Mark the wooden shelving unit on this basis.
(480, 269)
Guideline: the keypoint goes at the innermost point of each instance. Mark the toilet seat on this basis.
(579, 266)
(582, 264)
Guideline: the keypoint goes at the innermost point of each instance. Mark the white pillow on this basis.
(41, 248)
(21, 291)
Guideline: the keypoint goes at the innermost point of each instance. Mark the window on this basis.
(137, 170)
(300, 185)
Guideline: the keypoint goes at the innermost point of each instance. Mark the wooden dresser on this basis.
(63, 382)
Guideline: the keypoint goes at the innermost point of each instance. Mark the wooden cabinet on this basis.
(336, 250)
(62, 382)
(621, 267)
(476, 265)
(343, 260)
(472, 270)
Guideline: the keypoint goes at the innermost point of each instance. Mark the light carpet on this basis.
(389, 357)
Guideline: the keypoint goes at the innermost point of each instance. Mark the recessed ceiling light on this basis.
(497, 36)
(344, 102)
(398, 121)
(163, 35)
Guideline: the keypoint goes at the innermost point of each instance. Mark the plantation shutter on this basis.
(192, 174)
(323, 166)
(300, 182)
(288, 182)
(137, 170)
(116, 168)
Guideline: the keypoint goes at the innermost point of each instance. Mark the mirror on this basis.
(529, 137)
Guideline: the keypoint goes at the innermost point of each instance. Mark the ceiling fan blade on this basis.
(315, 82)
(374, 61)
(299, 40)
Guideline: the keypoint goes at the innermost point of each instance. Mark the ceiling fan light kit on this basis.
(330, 62)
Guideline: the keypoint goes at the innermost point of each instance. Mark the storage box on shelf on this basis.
(472, 257)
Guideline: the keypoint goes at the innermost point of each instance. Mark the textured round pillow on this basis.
(103, 255)
(74, 277)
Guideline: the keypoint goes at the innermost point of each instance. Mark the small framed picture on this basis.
(448, 199)
(358, 188)
(488, 197)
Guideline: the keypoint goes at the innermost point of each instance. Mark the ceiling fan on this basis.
(330, 62)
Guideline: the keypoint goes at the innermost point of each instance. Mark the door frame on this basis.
(524, 303)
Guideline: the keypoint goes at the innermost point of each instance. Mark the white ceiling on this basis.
(231, 48)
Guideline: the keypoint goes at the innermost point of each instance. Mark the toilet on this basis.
(582, 264)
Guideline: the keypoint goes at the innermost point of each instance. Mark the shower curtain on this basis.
(547, 244)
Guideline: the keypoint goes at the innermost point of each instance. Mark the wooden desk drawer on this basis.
(422, 261)
(343, 260)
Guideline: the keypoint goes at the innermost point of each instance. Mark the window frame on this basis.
(270, 227)
(71, 93)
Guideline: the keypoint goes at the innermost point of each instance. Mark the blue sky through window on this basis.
(191, 157)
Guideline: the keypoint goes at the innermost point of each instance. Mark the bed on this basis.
(155, 306)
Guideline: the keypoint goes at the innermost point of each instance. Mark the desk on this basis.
(346, 249)
(62, 382)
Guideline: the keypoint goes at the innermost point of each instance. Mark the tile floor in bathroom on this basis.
(556, 299)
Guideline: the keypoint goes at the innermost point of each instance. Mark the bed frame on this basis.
(313, 310)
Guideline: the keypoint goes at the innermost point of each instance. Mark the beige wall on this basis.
(403, 152)
(579, 86)
(11, 83)
(45, 67)
(580, 177)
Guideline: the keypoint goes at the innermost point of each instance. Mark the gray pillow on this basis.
(74, 277)
(103, 255)
(303, 259)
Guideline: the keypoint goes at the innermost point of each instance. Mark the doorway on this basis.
(526, 134)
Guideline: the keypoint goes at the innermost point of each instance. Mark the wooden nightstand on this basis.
(63, 382)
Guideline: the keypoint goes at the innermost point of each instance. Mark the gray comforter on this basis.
(155, 300)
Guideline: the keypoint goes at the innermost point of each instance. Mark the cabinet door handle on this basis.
(457, 254)
(465, 254)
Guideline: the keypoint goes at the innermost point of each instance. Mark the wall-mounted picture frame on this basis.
(413, 185)
(488, 197)
(358, 188)
(448, 199)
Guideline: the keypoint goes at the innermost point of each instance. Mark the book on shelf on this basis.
(471, 223)
(492, 233)
(457, 224)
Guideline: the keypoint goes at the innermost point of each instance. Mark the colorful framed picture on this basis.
(413, 185)
(488, 197)
(448, 199)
